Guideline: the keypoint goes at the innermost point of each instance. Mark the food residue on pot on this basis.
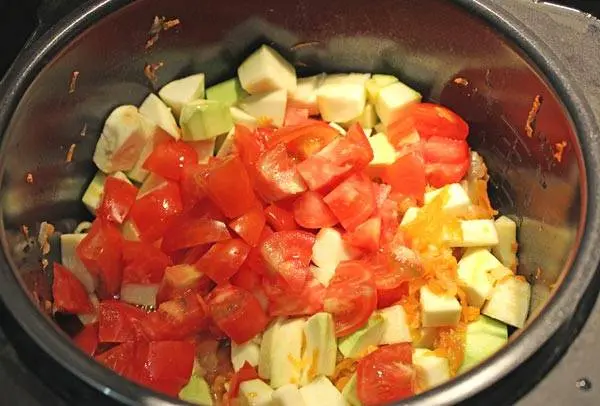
(29, 178)
(73, 81)
(559, 149)
(150, 70)
(70, 153)
(532, 116)
(83, 132)
(461, 82)
(160, 24)
(46, 230)
(25, 231)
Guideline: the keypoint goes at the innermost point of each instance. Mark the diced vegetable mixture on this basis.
(275, 240)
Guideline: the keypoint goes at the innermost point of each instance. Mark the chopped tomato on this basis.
(246, 373)
(391, 283)
(353, 201)
(101, 253)
(165, 366)
(87, 339)
(144, 263)
(206, 209)
(169, 158)
(389, 221)
(152, 213)
(69, 293)
(177, 319)
(180, 279)
(304, 139)
(250, 226)
(186, 232)
(119, 358)
(445, 150)
(439, 175)
(367, 235)
(406, 176)
(248, 145)
(119, 322)
(320, 173)
(428, 120)
(224, 259)
(294, 116)
(246, 278)
(237, 312)
(288, 253)
(193, 184)
(279, 218)
(229, 186)
(386, 375)
(282, 302)
(351, 296)
(255, 260)
(310, 211)
(277, 176)
(117, 200)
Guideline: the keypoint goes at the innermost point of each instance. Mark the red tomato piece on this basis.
(282, 302)
(386, 375)
(445, 150)
(352, 201)
(277, 177)
(294, 116)
(191, 255)
(180, 279)
(117, 200)
(407, 176)
(247, 279)
(249, 226)
(69, 293)
(246, 373)
(144, 263)
(389, 221)
(206, 209)
(169, 158)
(391, 285)
(224, 259)
(101, 253)
(177, 319)
(165, 366)
(367, 235)
(119, 322)
(353, 150)
(248, 145)
(351, 297)
(428, 120)
(237, 312)
(439, 175)
(193, 184)
(186, 232)
(288, 253)
(310, 211)
(229, 186)
(152, 213)
(255, 260)
(87, 339)
(119, 358)
(321, 174)
(279, 218)
(304, 139)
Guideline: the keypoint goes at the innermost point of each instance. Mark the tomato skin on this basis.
(406, 176)
(144, 263)
(439, 175)
(101, 253)
(186, 232)
(119, 322)
(305, 138)
(229, 187)
(246, 373)
(117, 200)
(119, 358)
(87, 339)
(288, 253)
(428, 120)
(320, 174)
(179, 279)
(279, 218)
(389, 221)
(193, 184)
(282, 302)
(151, 213)
(168, 159)
(177, 319)
(294, 116)
(224, 259)
(276, 175)
(249, 226)
(353, 201)
(445, 150)
(310, 211)
(367, 235)
(386, 375)
(247, 279)
(248, 145)
(69, 293)
(237, 312)
(351, 296)
(255, 260)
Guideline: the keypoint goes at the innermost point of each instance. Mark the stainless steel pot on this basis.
(466, 54)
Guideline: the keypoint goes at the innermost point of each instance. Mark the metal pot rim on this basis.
(559, 308)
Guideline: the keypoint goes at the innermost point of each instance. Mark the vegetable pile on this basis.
(277, 240)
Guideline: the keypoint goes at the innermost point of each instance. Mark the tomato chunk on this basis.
(439, 175)
(310, 211)
(101, 253)
(248, 145)
(180, 279)
(117, 200)
(288, 253)
(294, 116)
(246, 373)
(351, 296)
(87, 339)
(250, 226)
(392, 272)
(282, 302)
(279, 218)
(178, 318)
(321, 174)
(119, 322)
(407, 176)
(386, 375)
(168, 159)
(224, 259)
(193, 184)
(255, 260)
(152, 213)
(119, 358)
(237, 312)
(69, 293)
(367, 235)
(353, 201)
(445, 150)
(144, 263)
(186, 232)
(304, 139)
(277, 176)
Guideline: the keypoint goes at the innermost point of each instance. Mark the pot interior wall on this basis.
(427, 43)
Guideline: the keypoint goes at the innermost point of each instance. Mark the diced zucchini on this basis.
(509, 301)
(266, 71)
(204, 120)
(438, 310)
(356, 344)
(71, 261)
(432, 370)
(156, 111)
(266, 106)
(320, 348)
(228, 92)
(179, 92)
(197, 391)
(393, 98)
(506, 250)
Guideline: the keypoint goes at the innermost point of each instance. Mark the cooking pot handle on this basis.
(49, 13)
